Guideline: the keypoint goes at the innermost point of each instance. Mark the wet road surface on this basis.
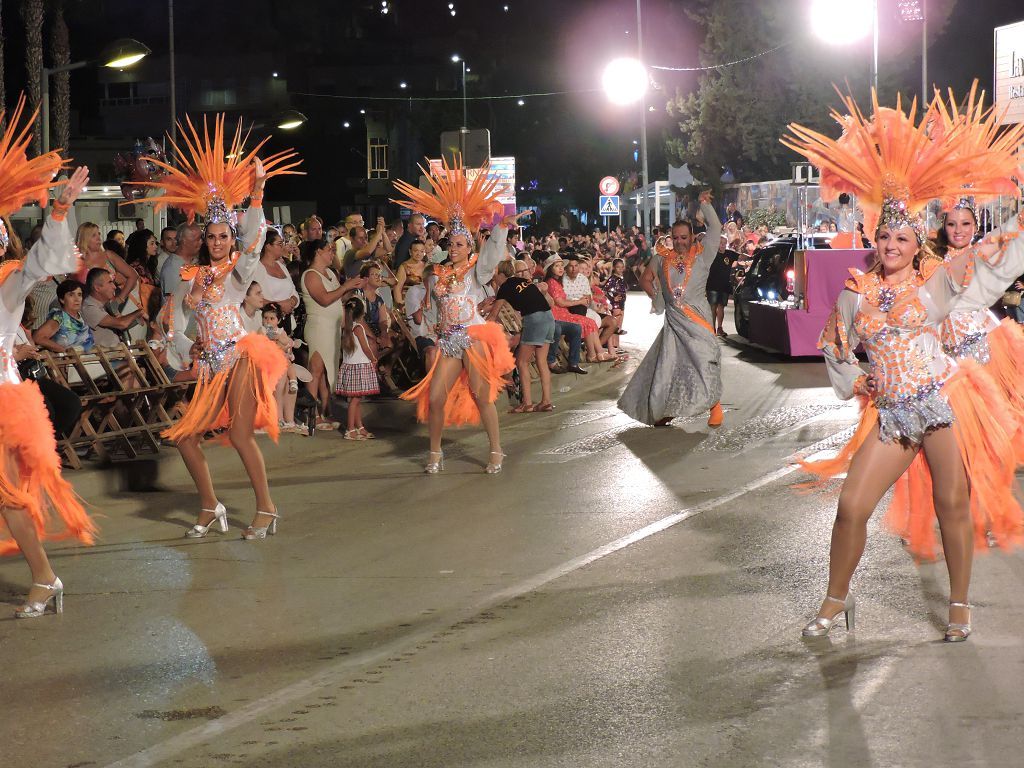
(618, 596)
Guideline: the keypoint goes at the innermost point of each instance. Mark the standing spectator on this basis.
(358, 375)
(114, 234)
(344, 242)
(168, 245)
(140, 224)
(272, 275)
(313, 228)
(416, 229)
(65, 327)
(142, 255)
(106, 327)
(421, 315)
(95, 255)
(615, 289)
(515, 289)
(719, 284)
(377, 317)
(323, 296)
(190, 239)
(363, 246)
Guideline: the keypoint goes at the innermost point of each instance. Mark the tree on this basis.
(735, 118)
(3, 88)
(60, 45)
(32, 14)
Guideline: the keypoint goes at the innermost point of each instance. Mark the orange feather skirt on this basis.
(492, 361)
(985, 430)
(30, 477)
(263, 364)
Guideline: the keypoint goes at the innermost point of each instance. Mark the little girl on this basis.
(357, 377)
(288, 387)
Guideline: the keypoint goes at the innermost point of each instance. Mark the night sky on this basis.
(566, 141)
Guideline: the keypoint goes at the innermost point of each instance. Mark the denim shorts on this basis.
(538, 329)
(718, 297)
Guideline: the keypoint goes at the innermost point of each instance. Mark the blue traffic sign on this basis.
(609, 205)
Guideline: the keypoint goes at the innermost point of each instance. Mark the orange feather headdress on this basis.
(23, 180)
(460, 204)
(896, 164)
(209, 180)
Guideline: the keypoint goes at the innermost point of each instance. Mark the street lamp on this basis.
(625, 82)
(847, 21)
(459, 60)
(290, 119)
(118, 55)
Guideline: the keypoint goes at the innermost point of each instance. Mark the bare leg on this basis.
(279, 392)
(353, 414)
(445, 375)
(875, 468)
(541, 356)
(317, 385)
(195, 462)
(242, 410)
(481, 391)
(523, 357)
(23, 529)
(951, 496)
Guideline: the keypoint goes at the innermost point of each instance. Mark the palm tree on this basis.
(32, 14)
(3, 88)
(60, 97)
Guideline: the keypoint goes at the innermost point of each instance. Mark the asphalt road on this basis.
(618, 596)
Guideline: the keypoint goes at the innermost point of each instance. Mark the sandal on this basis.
(366, 434)
(544, 408)
(325, 426)
(524, 408)
(353, 434)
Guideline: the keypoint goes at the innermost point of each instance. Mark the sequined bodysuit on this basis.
(217, 311)
(458, 298)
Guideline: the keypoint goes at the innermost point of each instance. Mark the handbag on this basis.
(1011, 299)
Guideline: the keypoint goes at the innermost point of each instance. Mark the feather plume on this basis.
(205, 172)
(452, 197)
(22, 180)
(894, 157)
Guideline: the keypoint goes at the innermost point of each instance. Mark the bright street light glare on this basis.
(456, 58)
(842, 22)
(123, 53)
(624, 81)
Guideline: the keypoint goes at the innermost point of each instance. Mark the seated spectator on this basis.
(96, 254)
(515, 289)
(421, 315)
(251, 310)
(411, 271)
(62, 404)
(106, 327)
(573, 310)
(65, 327)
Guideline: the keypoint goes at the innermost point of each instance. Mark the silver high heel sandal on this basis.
(220, 517)
(435, 465)
(494, 467)
(820, 626)
(952, 629)
(35, 610)
(262, 533)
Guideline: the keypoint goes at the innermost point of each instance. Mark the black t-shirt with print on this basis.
(523, 296)
(720, 274)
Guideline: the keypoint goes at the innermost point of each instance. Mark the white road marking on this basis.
(339, 672)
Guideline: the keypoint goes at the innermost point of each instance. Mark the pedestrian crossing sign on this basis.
(609, 205)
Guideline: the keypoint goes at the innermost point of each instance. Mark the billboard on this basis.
(501, 168)
(1009, 72)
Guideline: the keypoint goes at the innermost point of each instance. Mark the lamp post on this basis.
(459, 60)
(118, 55)
(842, 22)
(625, 82)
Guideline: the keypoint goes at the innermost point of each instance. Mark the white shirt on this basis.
(577, 288)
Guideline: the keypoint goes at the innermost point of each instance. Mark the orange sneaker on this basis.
(715, 419)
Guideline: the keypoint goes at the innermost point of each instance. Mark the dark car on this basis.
(770, 277)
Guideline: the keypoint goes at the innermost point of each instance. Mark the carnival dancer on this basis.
(466, 378)
(919, 400)
(681, 374)
(238, 371)
(36, 503)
